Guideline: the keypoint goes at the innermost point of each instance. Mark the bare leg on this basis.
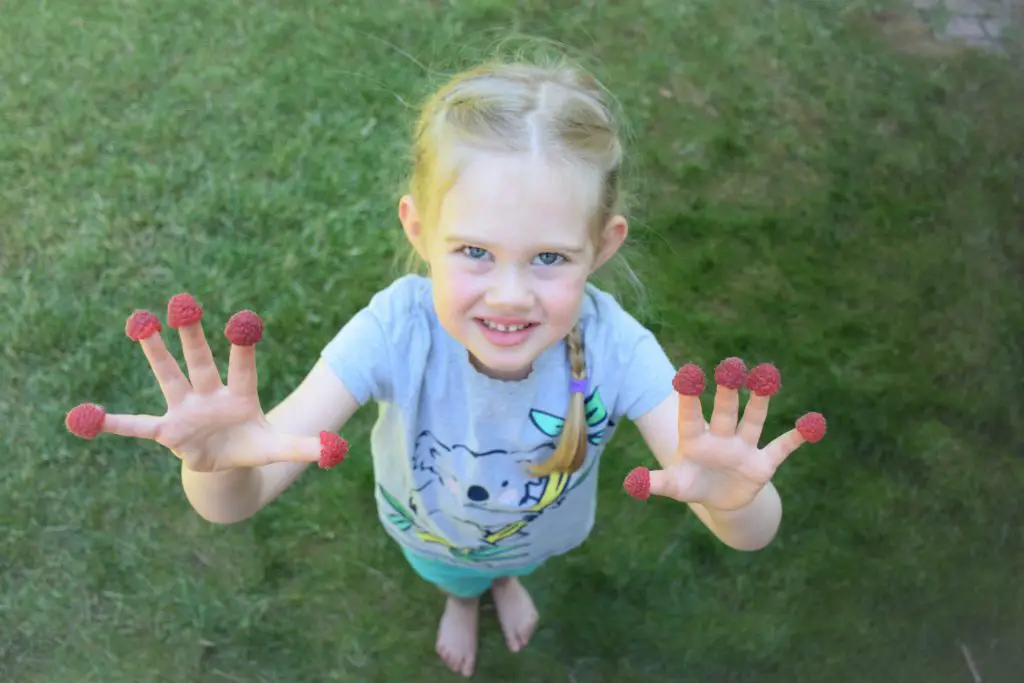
(457, 634)
(516, 611)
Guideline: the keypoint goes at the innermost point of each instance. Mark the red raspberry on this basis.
(690, 380)
(183, 310)
(85, 420)
(638, 483)
(141, 325)
(812, 427)
(731, 373)
(764, 380)
(244, 328)
(333, 450)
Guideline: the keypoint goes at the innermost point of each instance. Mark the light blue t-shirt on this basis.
(451, 446)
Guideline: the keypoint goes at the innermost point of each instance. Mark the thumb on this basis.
(328, 450)
(642, 483)
(680, 482)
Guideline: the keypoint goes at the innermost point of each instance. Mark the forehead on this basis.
(518, 201)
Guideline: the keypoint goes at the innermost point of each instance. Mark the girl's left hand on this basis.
(719, 463)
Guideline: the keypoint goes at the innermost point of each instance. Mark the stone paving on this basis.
(979, 23)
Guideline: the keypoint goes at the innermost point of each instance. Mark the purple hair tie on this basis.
(579, 386)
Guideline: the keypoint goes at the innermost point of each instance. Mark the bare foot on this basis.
(516, 612)
(457, 634)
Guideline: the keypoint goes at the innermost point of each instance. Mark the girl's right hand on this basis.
(209, 425)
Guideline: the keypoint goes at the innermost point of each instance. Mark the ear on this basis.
(410, 219)
(612, 237)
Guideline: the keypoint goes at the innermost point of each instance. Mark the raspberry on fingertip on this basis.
(638, 483)
(764, 380)
(731, 373)
(182, 310)
(689, 380)
(85, 420)
(245, 328)
(812, 427)
(142, 325)
(333, 450)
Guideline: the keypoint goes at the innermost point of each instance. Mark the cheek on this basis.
(562, 295)
(456, 288)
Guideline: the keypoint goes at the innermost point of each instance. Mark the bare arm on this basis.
(321, 402)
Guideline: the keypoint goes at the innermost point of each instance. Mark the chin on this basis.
(511, 362)
(503, 364)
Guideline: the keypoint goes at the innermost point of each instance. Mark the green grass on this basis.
(804, 193)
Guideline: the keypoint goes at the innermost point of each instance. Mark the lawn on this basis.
(807, 188)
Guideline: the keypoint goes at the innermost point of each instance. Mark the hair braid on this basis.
(572, 444)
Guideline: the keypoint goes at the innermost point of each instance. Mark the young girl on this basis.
(499, 379)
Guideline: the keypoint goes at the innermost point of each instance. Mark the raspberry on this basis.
(638, 483)
(85, 420)
(812, 427)
(142, 324)
(333, 450)
(731, 373)
(244, 328)
(764, 380)
(183, 310)
(690, 380)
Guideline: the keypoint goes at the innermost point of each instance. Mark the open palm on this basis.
(719, 463)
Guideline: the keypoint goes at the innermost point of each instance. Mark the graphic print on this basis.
(478, 505)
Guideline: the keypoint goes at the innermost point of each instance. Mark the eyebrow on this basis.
(540, 249)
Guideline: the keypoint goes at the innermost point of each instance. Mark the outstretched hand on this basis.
(719, 463)
(209, 424)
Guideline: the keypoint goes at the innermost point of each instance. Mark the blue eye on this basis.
(550, 258)
(474, 252)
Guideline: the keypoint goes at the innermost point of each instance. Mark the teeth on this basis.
(504, 328)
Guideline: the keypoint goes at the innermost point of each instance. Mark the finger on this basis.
(754, 416)
(243, 330)
(730, 375)
(135, 426)
(763, 381)
(809, 429)
(185, 314)
(88, 420)
(327, 449)
(144, 327)
(678, 484)
(689, 384)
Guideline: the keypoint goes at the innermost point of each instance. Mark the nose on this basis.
(477, 494)
(510, 289)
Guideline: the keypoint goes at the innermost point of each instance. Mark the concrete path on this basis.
(978, 23)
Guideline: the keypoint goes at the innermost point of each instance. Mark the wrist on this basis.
(224, 496)
(748, 528)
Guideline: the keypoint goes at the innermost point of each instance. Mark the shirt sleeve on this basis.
(633, 356)
(647, 376)
(363, 352)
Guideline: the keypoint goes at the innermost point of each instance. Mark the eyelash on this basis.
(465, 251)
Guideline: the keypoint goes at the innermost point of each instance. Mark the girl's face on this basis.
(509, 259)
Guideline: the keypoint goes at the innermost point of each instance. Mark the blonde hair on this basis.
(558, 112)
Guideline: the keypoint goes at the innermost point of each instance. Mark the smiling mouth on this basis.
(491, 325)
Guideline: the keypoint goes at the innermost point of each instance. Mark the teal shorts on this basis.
(462, 582)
